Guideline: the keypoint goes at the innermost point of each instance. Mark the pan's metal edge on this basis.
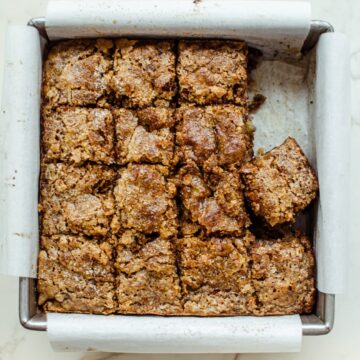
(317, 27)
(39, 24)
(29, 316)
(320, 323)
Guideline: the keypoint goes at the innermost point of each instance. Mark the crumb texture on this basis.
(214, 202)
(144, 196)
(144, 136)
(211, 136)
(215, 275)
(283, 275)
(75, 275)
(212, 72)
(144, 73)
(76, 72)
(78, 134)
(147, 280)
(76, 200)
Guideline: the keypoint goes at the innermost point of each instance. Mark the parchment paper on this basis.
(19, 152)
(273, 26)
(332, 139)
(286, 109)
(149, 334)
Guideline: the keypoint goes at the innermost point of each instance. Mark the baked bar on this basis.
(215, 275)
(144, 73)
(76, 200)
(283, 275)
(144, 196)
(75, 275)
(147, 280)
(144, 135)
(280, 183)
(214, 202)
(212, 72)
(76, 72)
(214, 135)
(75, 134)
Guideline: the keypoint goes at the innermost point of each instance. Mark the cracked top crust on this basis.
(283, 275)
(76, 200)
(280, 183)
(76, 135)
(215, 202)
(215, 275)
(211, 136)
(76, 72)
(67, 290)
(90, 258)
(212, 72)
(144, 136)
(145, 200)
(144, 73)
(147, 280)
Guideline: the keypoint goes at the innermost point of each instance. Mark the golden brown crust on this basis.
(214, 202)
(76, 135)
(283, 275)
(214, 135)
(280, 183)
(76, 200)
(144, 136)
(147, 280)
(145, 201)
(75, 276)
(144, 73)
(76, 72)
(215, 275)
(212, 72)
(90, 258)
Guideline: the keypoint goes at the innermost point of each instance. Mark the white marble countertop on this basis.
(342, 343)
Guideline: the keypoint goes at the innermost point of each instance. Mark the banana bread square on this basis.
(215, 275)
(212, 72)
(214, 202)
(76, 274)
(144, 135)
(76, 72)
(76, 135)
(283, 275)
(147, 280)
(76, 200)
(214, 135)
(145, 200)
(144, 73)
(279, 183)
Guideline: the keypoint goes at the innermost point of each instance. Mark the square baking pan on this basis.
(318, 323)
